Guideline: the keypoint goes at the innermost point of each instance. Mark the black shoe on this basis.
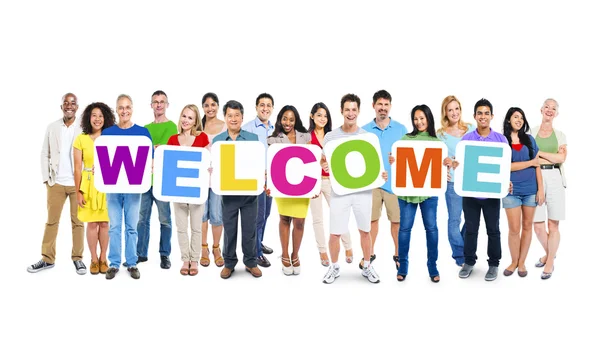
(142, 259)
(266, 250)
(80, 267)
(360, 264)
(165, 263)
(263, 261)
(134, 272)
(111, 272)
(39, 266)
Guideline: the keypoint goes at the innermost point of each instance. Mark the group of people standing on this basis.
(536, 195)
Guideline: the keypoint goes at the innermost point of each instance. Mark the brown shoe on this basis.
(94, 268)
(226, 272)
(103, 267)
(255, 271)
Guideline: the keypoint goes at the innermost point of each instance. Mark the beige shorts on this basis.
(381, 197)
(554, 207)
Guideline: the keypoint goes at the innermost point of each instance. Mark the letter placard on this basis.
(484, 169)
(239, 168)
(181, 174)
(419, 168)
(123, 164)
(294, 170)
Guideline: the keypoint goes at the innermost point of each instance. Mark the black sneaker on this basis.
(134, 272)
(79, 267)
(39, 266)
(165, 263)
(111, 272)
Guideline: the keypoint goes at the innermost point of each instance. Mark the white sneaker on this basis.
(370, 274)
(331, 275)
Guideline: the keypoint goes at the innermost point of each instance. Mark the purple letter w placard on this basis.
(134, 172)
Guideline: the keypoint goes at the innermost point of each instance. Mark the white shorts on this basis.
(360, 203)
(555, 197)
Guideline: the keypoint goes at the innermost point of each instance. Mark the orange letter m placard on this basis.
(432, 158)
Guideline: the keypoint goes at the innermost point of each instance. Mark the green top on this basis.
(161, 132)
(548, 144)
(421, 136)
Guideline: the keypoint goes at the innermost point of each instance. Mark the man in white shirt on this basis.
(57, 175)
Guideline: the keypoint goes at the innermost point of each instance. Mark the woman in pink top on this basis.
(320, 124)
(212, 127)
(190, 135)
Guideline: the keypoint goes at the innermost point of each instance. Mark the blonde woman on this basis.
(552, 155)
(452, 130)
(190, 135)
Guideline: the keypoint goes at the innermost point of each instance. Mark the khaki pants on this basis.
(192, 213)
(57, 195)
(316, 208)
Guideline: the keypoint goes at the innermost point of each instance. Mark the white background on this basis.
(513, 53)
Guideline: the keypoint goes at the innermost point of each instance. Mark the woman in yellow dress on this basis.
(92, 203)
(289, 130)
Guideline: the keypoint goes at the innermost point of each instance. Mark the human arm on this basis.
(540, 196)
(45, 157)
(559, 157)
(324, 164)
(534, 162)
(78, 163)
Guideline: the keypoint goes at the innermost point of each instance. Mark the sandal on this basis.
(204, 260)
(349, 257)
(287, 270)
(296, 266)
(185, 271)
(433, 279)
(362, 261)
(400, 280)
(397, 260)
(324, 261)
(219, 261)
(193, 271)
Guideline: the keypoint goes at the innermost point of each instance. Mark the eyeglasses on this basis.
(157, 102)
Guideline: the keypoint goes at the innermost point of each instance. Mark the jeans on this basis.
(491, 214)
(455, 234)
(264, 210)
(143, 226)
(213, 209)
(407, 219)
(119, 204)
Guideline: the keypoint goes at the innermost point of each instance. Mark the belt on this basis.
(549, 166)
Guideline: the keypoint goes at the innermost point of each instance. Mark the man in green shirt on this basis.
(160, 130)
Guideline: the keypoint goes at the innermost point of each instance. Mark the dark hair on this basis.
(214, 97)
(522, 133)
(382, 94)
(298, 126)
(428, 115)
(159, 92)
(350, 98)
(109, 117)
(314, 109)
(483, 103)
(263, 96)
(233, 104)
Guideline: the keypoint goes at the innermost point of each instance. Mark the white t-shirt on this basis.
(65, 163)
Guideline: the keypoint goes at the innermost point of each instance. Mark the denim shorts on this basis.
(213, 209)
(511, 201)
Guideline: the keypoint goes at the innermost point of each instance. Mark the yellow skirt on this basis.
(95, 209)
(292, 207)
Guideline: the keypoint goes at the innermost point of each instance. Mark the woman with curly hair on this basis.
(92, 203)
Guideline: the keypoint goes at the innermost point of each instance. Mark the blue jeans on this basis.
(456, 235)
(119, 204)
(143, 226)
(213, 209)
(264, 210)
(407, 219)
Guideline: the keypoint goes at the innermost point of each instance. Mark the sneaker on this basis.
(134, 272)
(491, 274)
(80, 267)
(370, 274)
(331, 275)
(111, 272)
(465, 271)
(39, 266)
(165, 263)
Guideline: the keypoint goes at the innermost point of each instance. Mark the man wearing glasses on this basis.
(161, 129)
(57, 175)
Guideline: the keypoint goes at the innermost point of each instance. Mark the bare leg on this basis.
(205, 250)
(513, 216)
(395, 228)
(553, 241)
(526, 235)
(334, 247)
(103, 238)
(542, 236)
(297, 234)
(374, 232)
(365, 243)
(92, 239)
(284, 237)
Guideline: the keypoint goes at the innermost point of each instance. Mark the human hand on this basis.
(391, 158)
(384, 175)
(324, 164)
(510, 188)
(80, 199)
(540, 197)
